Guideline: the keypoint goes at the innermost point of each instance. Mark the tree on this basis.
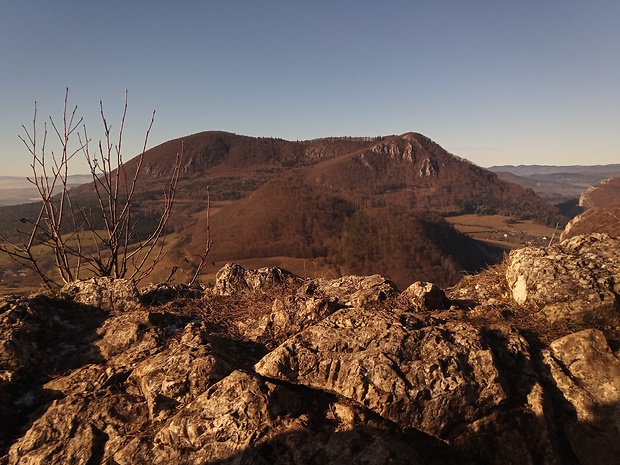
(96, 238)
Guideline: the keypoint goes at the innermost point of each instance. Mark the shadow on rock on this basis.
(41, 338)
(360, 445)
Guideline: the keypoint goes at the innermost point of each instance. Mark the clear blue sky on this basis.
(496, 82)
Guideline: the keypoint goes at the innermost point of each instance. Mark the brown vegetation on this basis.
(367, 205)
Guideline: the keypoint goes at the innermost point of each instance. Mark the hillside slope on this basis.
(306, 222)
(359, 204)
(275, 198)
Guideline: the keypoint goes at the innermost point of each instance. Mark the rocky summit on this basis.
(519, 364)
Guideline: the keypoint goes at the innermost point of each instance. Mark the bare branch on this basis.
(208, 244)
(80, 239)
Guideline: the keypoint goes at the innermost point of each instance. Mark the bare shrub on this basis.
(89, 240)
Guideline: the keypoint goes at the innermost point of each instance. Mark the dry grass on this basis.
(30, 282)
(487, 300)
(481, 287)
(226, 312)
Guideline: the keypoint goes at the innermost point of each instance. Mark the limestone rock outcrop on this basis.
(425, 296)
(587, 375)
(315, 300)
(602, 210)
(575, 279)
(105, 293)
(432, 377)
(346, 370)
(233, 278)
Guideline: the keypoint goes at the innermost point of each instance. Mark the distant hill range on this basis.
(557, 184)
(17, 189)
(333, 205)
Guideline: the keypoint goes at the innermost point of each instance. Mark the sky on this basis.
(496, 82)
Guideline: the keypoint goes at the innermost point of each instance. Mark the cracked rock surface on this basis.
(518, 365)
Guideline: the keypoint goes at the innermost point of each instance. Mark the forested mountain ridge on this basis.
(356, 204)
(409, 168)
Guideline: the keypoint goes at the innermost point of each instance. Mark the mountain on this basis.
(408, 170)
(609, 170)
(361, 205)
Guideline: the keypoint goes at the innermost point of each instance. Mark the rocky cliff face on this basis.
(517, 365)
(602, 210)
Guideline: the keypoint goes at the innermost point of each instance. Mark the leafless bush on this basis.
(66, 227)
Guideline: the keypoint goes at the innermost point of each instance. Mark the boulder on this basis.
(351, 291)
(233, 279)
(81, 428)
(314, 301)
(161, 293)
(147, 366)
(450, 380)
(575, 280)
(39, 337)
(425, 296)
(585, 375)
(230, 417)
(104, 293)
(435, 378)
(244, 419)
(326, 371)
(187, 367)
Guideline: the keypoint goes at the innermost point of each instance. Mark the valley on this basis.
(504, 231)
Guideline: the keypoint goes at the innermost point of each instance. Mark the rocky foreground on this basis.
(517, 365)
